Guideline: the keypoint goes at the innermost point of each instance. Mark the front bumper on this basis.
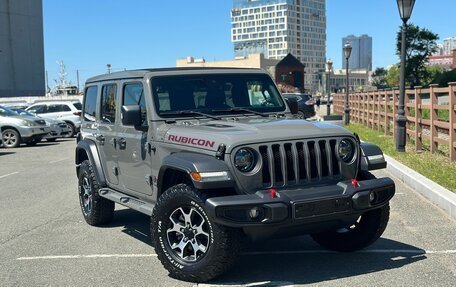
(33, 131)
(57, 132)
(337, 203)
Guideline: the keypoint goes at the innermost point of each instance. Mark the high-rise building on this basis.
(449, 44)
(279, 27)
(361, 56)
(21, 48)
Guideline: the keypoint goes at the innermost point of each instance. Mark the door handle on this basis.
(122, 143)
(100, 138)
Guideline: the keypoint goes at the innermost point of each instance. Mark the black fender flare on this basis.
(371, 157)
(89, 148)
(188, 162)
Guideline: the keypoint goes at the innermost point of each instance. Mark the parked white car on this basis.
(67, 111)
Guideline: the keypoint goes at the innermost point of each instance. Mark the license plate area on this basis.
(321, 208)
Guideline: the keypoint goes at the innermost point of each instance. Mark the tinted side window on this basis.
(38, 109)
(90, 104)
(133, 94)
(78, 106)
(108, 104)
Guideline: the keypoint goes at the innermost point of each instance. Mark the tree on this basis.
(444, 78)
(393, 75)
(379, 78)
(433, 73)
(421, 43)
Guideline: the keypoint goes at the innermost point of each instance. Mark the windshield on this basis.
(5, 112)
(218, 93)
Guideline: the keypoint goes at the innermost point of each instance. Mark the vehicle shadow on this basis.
(298, 260)
(6, 152)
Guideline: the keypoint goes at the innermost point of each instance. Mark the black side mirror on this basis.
(293, 105)
(131, 115)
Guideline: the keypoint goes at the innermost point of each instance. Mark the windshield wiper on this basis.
(242, 110)
(189, 112)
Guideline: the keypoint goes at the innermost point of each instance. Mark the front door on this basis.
(135, 155)
(106, 134)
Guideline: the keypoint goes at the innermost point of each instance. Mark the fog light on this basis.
(371, 197)
(254, 212)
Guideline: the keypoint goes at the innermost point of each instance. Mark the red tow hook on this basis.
(273, 193)
(355, 183)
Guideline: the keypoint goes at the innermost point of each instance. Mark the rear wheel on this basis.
(95, 209)
(33, 142)
(189, 245)
(362, 233)
(11, 138)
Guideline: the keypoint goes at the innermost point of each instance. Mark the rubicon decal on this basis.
(191, 141)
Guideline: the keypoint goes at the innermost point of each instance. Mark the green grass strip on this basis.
(436, 167)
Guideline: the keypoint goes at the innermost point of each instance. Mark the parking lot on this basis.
(45, 241)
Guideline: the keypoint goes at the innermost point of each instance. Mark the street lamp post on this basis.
(405, 11)
(329, 64)
(109, 68)
(347, 53)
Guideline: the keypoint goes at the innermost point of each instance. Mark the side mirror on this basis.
(293, 105)
(131, 115)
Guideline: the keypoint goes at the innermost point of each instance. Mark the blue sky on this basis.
(88, 34)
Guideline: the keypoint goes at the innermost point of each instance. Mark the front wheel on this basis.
(95, 209)
(11, 138)
(362, 233)
(189, 245)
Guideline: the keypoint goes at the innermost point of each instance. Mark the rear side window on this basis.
(90, 104)
(108, 104)
(58, 108)
(133, 94)
(78, 106)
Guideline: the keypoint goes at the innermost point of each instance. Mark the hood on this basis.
(18, 119)
(211, 134)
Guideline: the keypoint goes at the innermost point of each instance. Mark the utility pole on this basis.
(77, 78)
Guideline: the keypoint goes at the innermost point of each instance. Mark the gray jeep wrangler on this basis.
(215, 156)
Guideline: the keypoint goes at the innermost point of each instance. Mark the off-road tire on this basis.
(11, 138)
(371, 226)
(221, 252)
(102, 210)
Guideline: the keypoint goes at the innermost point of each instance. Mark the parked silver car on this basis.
(59, 129)
(67, 111)
(17, 129)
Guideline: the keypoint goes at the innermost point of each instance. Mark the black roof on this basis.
(290, 61)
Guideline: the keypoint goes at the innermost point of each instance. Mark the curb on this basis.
(437, 194)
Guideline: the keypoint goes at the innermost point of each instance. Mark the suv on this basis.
(67, 111)
(306, 105)
(16, 129)
(214, 156)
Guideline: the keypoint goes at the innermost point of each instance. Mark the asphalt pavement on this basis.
(44, 241)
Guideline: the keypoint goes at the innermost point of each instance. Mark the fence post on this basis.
(386, 113)
(418, 117)
(394, 111)
(433, 117)
(452, 104)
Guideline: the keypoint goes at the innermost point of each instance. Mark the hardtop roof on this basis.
(132, 74)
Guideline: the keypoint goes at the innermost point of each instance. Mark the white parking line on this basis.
(384, 251)
(59, 160)
(13, 173)
(87, 256)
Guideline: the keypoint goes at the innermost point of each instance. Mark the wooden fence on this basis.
(430, 112)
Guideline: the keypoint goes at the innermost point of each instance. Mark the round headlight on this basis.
(244, 160)
(346, 150)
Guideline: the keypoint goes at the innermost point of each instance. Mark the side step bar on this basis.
(128, 201)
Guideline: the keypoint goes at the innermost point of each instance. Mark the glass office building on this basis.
(278, 27)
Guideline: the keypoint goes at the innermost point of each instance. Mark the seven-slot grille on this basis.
(291, 163)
